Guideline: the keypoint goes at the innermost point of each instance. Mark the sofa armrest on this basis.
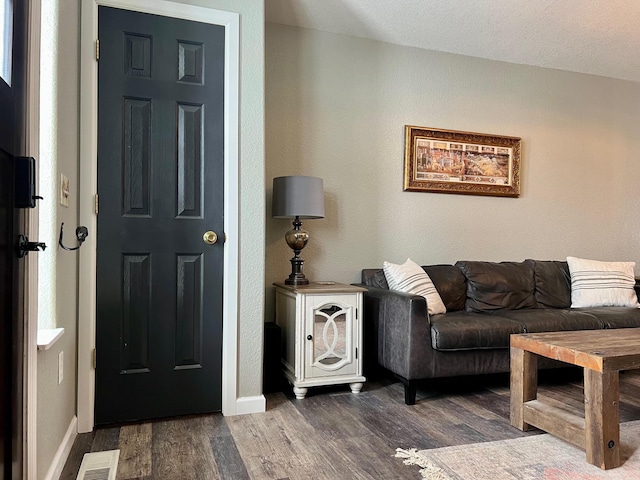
(401, 333)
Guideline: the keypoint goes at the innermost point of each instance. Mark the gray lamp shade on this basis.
(298, 196)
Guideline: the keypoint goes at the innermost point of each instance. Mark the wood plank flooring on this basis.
(331, 434)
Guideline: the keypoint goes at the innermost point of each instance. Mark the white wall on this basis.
(57, 403)
(336, 108)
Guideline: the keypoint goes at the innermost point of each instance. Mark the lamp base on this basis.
(296, 277)
(296, 281)
(296, 239)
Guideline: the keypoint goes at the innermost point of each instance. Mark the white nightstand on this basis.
(322, 334)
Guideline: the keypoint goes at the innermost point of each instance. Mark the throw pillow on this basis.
(411, 278)
(602, 284)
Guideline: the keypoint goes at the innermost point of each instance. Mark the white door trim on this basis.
(32, 130)
(88, 188)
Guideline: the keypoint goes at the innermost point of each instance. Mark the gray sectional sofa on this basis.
(486, 302)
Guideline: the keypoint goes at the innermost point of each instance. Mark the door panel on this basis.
(160, 182)
(137, 157)
(189, 312)
(136, 313)
(331, 327)
(190, 140)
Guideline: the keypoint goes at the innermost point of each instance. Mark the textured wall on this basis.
(336, 108)
(57, 403)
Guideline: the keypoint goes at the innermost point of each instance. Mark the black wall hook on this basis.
(81, 234)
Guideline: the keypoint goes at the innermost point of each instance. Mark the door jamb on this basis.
(32, 148)
(88, 189)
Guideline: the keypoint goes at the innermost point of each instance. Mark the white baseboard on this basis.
(60, 458)
(245, 405)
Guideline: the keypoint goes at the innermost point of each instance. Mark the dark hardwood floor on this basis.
(332, 434)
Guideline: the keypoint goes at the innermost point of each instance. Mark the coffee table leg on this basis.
(524, 384)
(602, 418)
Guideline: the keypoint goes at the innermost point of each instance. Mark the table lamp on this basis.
(297, 197)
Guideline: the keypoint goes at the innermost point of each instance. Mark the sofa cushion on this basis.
(538, 320)
(471, 331)
(553, 283)
(614, 317)
(451, 285)
(494, 286)
(374, 277)
(602, 284)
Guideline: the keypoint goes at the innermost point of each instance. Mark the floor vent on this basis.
(99, 465)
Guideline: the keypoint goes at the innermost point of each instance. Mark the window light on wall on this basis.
(6, 37)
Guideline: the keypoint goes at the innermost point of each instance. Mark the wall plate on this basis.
(60, 367)
(64, 191)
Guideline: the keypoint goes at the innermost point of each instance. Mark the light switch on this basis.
(64, 191)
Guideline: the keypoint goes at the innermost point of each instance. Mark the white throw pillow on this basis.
(411, 278)
(602, 284)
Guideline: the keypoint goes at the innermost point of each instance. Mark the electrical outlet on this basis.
(64, 191)
(60, 367)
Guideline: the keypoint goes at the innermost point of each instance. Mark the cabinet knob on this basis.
(309, 337)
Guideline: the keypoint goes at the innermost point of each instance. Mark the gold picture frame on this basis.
(449, 161)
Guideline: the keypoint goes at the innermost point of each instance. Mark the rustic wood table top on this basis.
(599, 350)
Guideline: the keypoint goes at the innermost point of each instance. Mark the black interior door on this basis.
(160, 187)
(12, 82)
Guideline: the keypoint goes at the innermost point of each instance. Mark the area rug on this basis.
(538, 457)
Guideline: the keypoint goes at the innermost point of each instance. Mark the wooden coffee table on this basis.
(602, 354)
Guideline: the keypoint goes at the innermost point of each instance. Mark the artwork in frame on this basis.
(449, 161)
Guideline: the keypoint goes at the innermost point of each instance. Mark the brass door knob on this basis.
(210, 237)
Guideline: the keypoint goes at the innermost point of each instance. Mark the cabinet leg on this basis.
(356, 387)
(300, 392)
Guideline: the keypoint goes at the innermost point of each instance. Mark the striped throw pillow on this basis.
(602, 284)
(411, 278)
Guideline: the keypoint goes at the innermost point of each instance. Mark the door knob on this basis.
(210, 237)
(25, 246)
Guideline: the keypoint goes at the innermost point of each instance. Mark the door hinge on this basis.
(356, 353)
(356, 313)
(95, 203)
(94, 360)
(97, 50)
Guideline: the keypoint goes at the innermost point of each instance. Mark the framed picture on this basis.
(448, 161)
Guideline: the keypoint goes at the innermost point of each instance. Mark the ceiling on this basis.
(600, 37)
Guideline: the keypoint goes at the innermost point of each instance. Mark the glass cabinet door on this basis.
(330, 336)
